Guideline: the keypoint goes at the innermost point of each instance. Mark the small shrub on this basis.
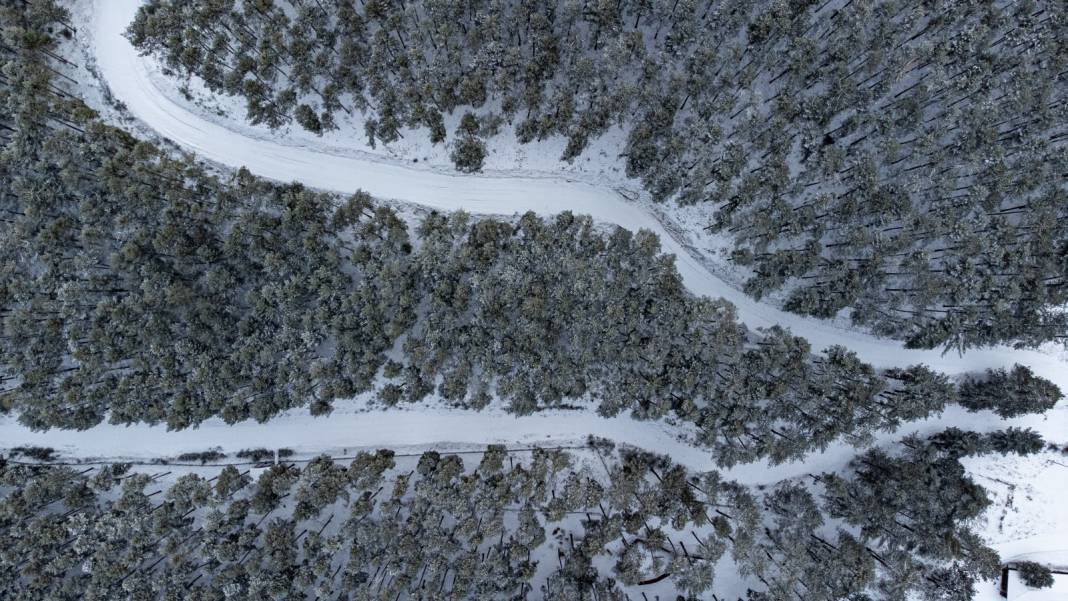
(1035, 575)
(599, 444)
(37, 453)
(256, 454)
(203, 457)
(263, 454)
(468, 154)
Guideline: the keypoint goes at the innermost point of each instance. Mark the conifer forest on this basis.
(579, 300)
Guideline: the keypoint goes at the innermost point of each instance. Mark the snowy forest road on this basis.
(348, 429)
(129, 80)
(128, 77)
(430, 426)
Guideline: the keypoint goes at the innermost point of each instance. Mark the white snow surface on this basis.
(352, 424)
(1028, 515)
(129, 77)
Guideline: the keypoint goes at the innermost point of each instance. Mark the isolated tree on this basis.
(469, 150)
(308, 119)
(272, 486)
(1009, 393)
(321, 483)
(1034, 575)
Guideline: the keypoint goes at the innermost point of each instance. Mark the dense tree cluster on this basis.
(135, 286)
(139, 288)
(435, 529)
(904, 160)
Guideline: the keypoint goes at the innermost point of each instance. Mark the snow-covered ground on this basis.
(355, 426)
(1028, 517)
(132, 80)
(1028, 514)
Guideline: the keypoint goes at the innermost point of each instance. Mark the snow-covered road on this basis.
(129, 78)
(352, 427)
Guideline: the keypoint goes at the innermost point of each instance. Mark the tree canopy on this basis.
(543, 523)
(901, 160)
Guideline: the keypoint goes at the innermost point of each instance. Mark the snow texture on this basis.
(130, 79)
(1028, 517)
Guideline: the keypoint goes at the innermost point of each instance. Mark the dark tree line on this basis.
(903, 160)
(440, 530)
(136, 287)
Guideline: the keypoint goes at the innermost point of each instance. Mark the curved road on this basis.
(127, 75)
(129, 80)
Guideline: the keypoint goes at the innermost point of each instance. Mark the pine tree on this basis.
(1009, 393)
(1034, 575)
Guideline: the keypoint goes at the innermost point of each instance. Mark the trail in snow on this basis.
(128, 76)
(351, 426)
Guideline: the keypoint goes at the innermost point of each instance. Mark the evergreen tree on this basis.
(1009, 393)
(900, 162)
(1034, 575)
